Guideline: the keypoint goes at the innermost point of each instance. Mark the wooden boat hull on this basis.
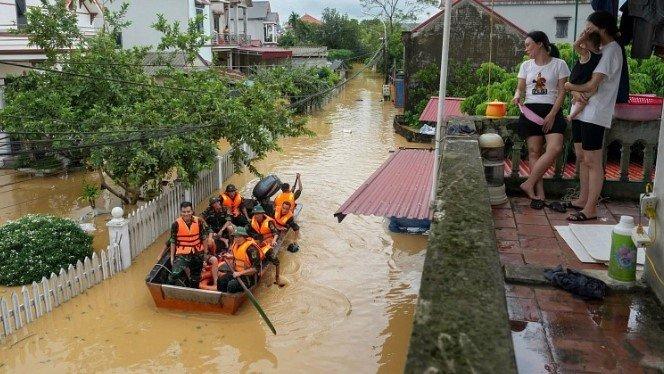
(194, 299)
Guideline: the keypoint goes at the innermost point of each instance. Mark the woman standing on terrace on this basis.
(599, 96)
(542, 78)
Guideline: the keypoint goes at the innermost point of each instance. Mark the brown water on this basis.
(348, 306)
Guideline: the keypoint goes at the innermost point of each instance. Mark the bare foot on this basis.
(529, 191)
(578, 203)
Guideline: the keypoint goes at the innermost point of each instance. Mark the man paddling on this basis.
(246, 257)
(188, 246)
(288, 195)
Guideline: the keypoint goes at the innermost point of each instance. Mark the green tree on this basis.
(52, 27)
(133, 133)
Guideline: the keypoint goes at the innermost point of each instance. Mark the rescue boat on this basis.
(197, 300)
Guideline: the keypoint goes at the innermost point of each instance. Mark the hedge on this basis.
(37, 245)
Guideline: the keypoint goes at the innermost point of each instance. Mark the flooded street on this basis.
(348, 306)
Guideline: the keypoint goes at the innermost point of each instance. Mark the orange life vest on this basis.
(282, 219)
(263, 228)
(283, 197)
(233, 204)
(242, 261)
(188, 239)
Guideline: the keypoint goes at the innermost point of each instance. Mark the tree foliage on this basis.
(37, 245)
(395, 12)
(134, 133)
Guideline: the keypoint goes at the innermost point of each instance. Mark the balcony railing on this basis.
(231, 39)
(630, 149)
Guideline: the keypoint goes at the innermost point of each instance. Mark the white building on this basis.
(261, 24)
(554, 17)
(14, 48)
(143, 14)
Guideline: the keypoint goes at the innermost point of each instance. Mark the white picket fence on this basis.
(147, 223)
(43, 297)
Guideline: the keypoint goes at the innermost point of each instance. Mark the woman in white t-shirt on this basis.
(588, 128)
(542, 78)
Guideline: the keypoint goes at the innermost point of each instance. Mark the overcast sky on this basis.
(315, 8)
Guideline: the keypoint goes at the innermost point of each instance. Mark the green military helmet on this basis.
(240, 231)
(258, 209)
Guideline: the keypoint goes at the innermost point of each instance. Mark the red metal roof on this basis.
(478, 2)
(400, 188)
(452, 108)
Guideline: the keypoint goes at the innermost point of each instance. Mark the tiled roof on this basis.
(310, 19)
(400, 188)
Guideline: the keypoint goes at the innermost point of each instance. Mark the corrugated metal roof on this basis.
(452, 108)
(400, 188)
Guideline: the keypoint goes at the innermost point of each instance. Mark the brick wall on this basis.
(469, 41)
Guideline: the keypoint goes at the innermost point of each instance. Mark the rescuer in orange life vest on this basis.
(188, 246)
(285, 220)
(246, 257)
(263, 228)
(235, 204)
(288, 195)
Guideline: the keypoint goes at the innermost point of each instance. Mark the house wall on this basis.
(469, 41)
(143, 15)
(655, 274)
(531, 17)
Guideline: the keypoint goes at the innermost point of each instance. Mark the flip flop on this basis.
(569, 205)
(557, 206)
(537, 204)
(579, 217)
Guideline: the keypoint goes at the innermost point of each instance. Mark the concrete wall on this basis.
(469, 41)
(461, 323)
(655, 275)
(541, 16)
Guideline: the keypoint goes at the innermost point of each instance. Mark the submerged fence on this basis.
(43, 297)
(144, 226)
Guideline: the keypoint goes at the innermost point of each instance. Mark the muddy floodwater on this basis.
(348, 306)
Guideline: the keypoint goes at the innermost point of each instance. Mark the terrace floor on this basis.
(555, 332)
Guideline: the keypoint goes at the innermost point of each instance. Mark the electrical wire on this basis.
(292, 105)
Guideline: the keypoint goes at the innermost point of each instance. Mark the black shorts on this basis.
(527, 128)
(590, 135)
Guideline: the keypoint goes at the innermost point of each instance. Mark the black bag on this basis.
(576, 283)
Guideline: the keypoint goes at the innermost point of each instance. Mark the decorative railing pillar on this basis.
(517, 146)
(648, 161)
(118, 233)
(625, 154)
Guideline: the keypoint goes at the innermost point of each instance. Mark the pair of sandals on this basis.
(562, 207)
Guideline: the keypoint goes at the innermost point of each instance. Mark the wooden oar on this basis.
(253, 301)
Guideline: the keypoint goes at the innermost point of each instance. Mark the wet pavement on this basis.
(348, 306)
(554, 332)
(527, 236)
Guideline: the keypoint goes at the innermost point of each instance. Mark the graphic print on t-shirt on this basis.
(540, 85)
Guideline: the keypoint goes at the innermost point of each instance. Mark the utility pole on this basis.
(576, 18)
(385, 51)
(441, 95)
